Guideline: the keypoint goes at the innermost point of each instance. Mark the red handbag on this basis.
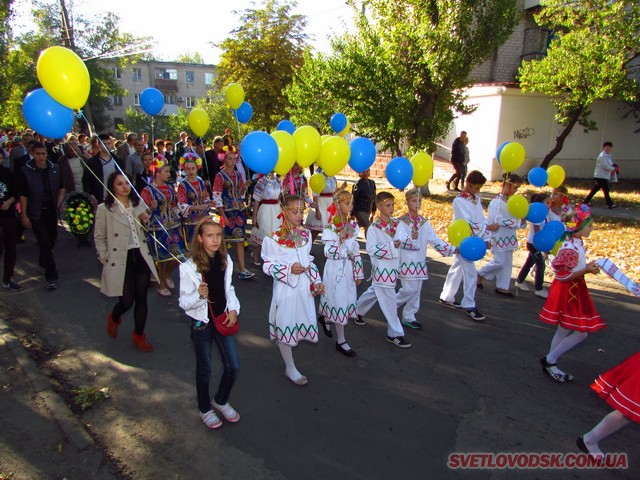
(218, 322)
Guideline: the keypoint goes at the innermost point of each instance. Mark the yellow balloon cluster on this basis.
(334, 155)
(555, 176)
(518, 206)
(458, 231)
(64, 76)
(234, 94)
(317, 183)
(422, 164)
(308, 145)
(198, 121)
(286, 151)
(512, 156)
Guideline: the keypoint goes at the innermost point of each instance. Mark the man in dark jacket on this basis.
(99, 167)
(41, 195)
(457, 161)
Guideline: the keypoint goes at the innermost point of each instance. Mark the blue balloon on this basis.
(338, 122)
(473, 248)
(544, 240)
(151, 101)
(499, 151)
(286, 126)
(363, 154)
(45, 115)
(243, 113)
(537, 212)
(537, 177)
(556, 227)
(259, 152)
(399, 172)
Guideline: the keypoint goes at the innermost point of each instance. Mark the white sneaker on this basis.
(227, 411)
(522, 286)
(542, 293)
(210, 419)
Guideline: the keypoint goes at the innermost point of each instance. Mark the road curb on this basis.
(66, 420)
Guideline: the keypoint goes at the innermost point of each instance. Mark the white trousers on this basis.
(461, 270)
(409, 296)
(386, 297)
(499, 268)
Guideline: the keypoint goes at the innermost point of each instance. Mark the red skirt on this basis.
(620, 387)
(570, 306)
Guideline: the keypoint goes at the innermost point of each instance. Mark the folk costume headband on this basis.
(581, 218)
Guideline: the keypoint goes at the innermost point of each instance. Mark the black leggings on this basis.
(535, 258)
(136, 283)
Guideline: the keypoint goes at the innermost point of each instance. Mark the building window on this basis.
(136, 99)
(190, 76)
(167, 73)
(117, 100)
(137, 74)
(189, 101)
(169, 100)
(208, 78)
(117, 73)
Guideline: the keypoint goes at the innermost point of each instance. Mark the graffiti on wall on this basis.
(523, 133)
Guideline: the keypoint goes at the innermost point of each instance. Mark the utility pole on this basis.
(67, 31)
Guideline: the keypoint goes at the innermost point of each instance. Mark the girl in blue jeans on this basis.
(206, 290)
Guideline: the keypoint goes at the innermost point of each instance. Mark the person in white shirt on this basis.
(602, 174)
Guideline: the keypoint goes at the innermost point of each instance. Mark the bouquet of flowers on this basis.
(78, 213)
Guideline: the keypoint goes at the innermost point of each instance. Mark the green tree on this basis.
(5, 42)
(262, 55)
(400, 77)
(592, 57)
(190, 58)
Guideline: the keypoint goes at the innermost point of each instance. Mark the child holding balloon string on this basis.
(569, 305)
(296, 281)
(467, 206)
(504, 241)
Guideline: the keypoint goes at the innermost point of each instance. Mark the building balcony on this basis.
(166, 84)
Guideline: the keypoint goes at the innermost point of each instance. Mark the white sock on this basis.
(290, 367)
(560, 335)
(565, 345)
(340, 334)
(609, 424)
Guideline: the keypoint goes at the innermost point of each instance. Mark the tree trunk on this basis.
(573, 119)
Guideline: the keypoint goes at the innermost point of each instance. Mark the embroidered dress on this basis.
(569, 303)
(620, 387)
(163, 231)
(191, 193)
(413, 254)
(296, 185)
(228, 195)
(324, 201)
(292, 314)
(341, 270)
(267, 192)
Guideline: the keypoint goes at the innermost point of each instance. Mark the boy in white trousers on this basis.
(385, 237)
(467, 206)
(505, 240)
(413, 258)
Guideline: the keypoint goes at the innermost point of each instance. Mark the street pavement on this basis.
(463, 386)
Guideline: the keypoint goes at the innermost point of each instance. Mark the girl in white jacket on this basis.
(205, 292)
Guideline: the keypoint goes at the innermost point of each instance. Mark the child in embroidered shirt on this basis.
(343, 270)
(413, 258)
(296, 281)
(467, 206)
(569, 304)
(384, 239)
(505, 240)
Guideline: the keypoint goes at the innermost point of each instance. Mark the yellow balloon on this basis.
(64, 76)
(512, 156)
(518, 206)
(234, 95)
(324, 137)
(556, 247)
(198, 121)
(286, 151)
(346, 129)
(422, 164)
(334, 155)
(458, 231)
(317, 182)
(308, 145)
(555, 176)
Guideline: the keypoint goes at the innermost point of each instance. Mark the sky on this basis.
(203, 21)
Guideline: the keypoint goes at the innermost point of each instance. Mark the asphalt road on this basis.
(387, 413)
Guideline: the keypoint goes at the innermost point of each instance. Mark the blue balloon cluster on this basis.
(545, 239)
(537, 212)
(399, 172)
(260, 152)
(338, 122)
(45, 115)
(537, 177)
(286, 126)
(243, 113)
(151, 101)
(472, 248)
(363, 154)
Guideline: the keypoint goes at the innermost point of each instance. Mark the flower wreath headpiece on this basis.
(581, 218)
(158, 161)
(229, 148)
(340, 195)
(190, 157)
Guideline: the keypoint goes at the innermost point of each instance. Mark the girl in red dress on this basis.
(569, 304)
(620, 387)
